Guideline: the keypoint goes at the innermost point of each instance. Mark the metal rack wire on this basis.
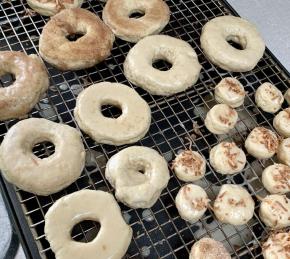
(158, 232)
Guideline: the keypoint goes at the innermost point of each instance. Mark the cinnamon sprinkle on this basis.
(241, 203)
(189, 160)
(232, 157)
(233, 86)
(269, 140)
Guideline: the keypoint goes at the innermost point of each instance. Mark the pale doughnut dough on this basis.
(276, 178)
(135, 189)
(183, 74)
(114, 236)
(262, 143)
(269, 98)
(275, 211)
(277, 246)
(281, 122)
(208, 248)
(283, 152)
(220, 119)
(230, 91)
(191, 202)
(233, 205)
(287, 96)
(189, 166)
(227, 158)
(131, 126)
(41, 176)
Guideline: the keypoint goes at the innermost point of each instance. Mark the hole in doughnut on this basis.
(7, 80)
(74, 36)
(85, 231)
(135, 14)
(236, 42)
(43, 149)
(111, 111)
(161, 64)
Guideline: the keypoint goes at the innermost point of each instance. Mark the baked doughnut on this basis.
(131, 126)
(116, 15)
(139, 174)
(191, 202)
(227, 158)
(262, 143)
(41, 176)
(281, 122)
(189, 166)
(283, 152)
(111, 242)
(31, 81)
(277, 246)
(52, 7)
(184, 72)
(220, 119)
(287, 96)
(208, 248)
(276, 178)
(233, 205)
(275, 211)
(215, 38)
(93, 47)
(269, 98)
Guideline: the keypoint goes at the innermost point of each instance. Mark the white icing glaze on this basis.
(283, 152)
(281, 123)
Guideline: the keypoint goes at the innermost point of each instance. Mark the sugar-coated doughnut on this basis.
(277, 246)
(281, 123)
(283, 152)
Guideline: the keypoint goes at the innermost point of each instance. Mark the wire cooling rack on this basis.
(158, 232)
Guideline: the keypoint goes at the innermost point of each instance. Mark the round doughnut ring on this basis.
(184, 71)
(133, 188)
(116, 15)
(113, 238)
(214, 41)
(52, 7)
(31, 81)
(131, 126)
(41, 176)
(93, 47)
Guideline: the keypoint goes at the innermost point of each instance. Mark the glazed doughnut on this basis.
(52, 7)
(262, 143)
(208, 248)
(135, 189)
(227, 158)
(214, 41)
(131, 126)
(269, 98)
(189, 166)
(113, 239)
(93, 47)
(191, 202)
(283, 152)
(31, 81)
(281, 122)
(275, 211)
(230, 91)
(116, 15)
(287, 96)
(276, 178)
(184, 72)
(277, 246)
(220, 119)
(41, 176)
(233, 205)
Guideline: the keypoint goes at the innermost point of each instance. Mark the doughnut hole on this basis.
(136, 14)
(85, 231)
(75, 36)
(43, 149)
(237, 42)
(111, 110)
(7, 79)
(162, 64)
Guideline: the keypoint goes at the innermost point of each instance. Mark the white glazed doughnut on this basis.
(129, 127)
(41, 176)
(116, 15)
(276, 178)
(287, 96)
(230, 91)
(269, 98)
(281, 122)
(189, 166)
(233, 205)
(113, 239)
(275, 211)
(262, 143)
(183, 74)
(214, 41)
(133, 188)
(191, 202)
(277, 246)
(227, 158)
(220, 119)
(283, 152)
(52, 7)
